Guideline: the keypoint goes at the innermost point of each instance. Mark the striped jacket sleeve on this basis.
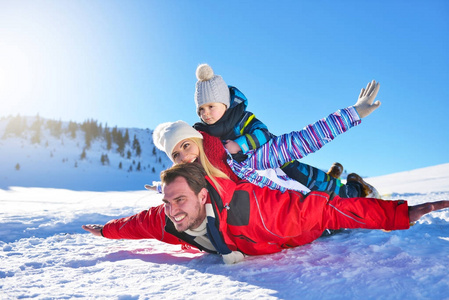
(251, 132)
(295, 145)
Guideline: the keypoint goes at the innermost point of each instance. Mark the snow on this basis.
(45, 254)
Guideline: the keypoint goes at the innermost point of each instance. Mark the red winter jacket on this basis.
(216, 153)
(257, 220)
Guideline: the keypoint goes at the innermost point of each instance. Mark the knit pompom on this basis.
(204, 72)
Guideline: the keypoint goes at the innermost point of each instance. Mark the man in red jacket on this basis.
(243, 219)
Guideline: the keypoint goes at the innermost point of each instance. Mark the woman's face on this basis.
(186, 151)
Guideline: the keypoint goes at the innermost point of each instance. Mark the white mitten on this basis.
(233, 257)
(365, 105)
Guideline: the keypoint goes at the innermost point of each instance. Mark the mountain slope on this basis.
(63, 161)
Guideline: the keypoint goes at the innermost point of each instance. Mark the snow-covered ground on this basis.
(45, 254)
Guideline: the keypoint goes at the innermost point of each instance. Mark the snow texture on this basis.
(45, 254)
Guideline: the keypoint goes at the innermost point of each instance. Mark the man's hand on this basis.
(232, 147)
(365, 105)
(93, 228)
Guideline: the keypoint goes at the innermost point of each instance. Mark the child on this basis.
(223, 114)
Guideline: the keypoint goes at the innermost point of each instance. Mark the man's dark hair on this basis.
(192, 172)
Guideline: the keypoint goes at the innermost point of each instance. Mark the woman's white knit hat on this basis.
(167, 135)
(210, 88)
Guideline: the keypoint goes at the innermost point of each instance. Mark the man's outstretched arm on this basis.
(417, 211)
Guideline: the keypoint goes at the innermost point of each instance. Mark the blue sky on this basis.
(132, 64)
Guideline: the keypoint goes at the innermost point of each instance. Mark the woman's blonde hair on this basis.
(210, 169)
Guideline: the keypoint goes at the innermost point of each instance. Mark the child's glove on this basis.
(365, 105)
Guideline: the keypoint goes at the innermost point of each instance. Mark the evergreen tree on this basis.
(83, 154)
(138, 150)
(126, 137)
(17, 167)
(108, 137)
(104, 159)
(36, 127)
(136, 146)
(55, 127)
(138, 167)
(16, 126)
(91, 130)
(72, 128)
(118, 138)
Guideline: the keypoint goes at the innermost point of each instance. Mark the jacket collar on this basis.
(224, 128)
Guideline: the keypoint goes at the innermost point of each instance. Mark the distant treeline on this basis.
(18, 126)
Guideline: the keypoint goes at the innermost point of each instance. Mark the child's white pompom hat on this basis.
(167, 135)
(210, 88)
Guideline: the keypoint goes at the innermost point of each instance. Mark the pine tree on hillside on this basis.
(108, 137)
(92, 131)
(104, 159)
(114, 134)
(121, 144)
(36, 127)
(87, 139)
(118, 138)
(16, 126)
(72, 128)
(136, 146)
(55, 127)
(138, 150)
(135, 142)
(83, 154)
(126, 137)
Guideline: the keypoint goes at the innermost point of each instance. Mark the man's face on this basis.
(185, 209)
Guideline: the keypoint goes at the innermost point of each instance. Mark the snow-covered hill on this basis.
(419, 181)
(34, 154)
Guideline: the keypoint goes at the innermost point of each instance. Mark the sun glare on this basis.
(17, 75)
